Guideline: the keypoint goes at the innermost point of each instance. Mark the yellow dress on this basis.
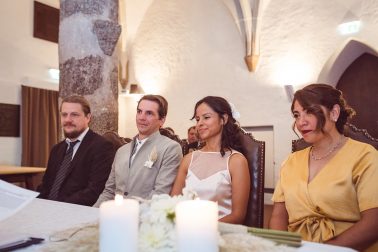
(334, 198)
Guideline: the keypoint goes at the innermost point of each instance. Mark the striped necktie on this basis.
(137, 144)
(62, 172)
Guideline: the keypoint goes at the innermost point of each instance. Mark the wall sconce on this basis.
(289, 89)
(131, 89)
(349, 27)
(135, 89)
(127, 88)
(350, 23)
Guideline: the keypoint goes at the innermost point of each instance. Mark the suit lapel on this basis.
(84, 145)
(143, 151)
(133, 146)
(61, 151)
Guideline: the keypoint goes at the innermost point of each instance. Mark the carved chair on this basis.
(350, 131)
(168, 132)
(184, 146)
(254, 151)
(115, 139)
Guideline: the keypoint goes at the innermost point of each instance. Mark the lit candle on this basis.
(197, 226)
(119, 220)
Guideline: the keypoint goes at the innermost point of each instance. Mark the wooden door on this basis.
(359, 84)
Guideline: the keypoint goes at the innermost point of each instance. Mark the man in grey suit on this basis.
(147, 165)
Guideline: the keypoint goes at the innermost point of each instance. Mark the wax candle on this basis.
(119, 220)
(197, 226)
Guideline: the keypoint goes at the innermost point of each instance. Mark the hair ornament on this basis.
(234, 112)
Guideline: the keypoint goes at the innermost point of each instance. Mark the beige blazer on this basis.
(137, 179)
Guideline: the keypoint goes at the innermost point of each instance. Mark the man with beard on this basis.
(79, 166)
(148, 164)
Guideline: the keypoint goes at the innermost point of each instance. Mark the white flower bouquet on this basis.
(157, 222)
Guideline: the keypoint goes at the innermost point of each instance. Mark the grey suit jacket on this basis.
(139, 180)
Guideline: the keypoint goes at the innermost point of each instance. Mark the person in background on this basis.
(193, 139)
(148, 164)
(217, 172)
(79, 166)
(192, 135)
(328, 192)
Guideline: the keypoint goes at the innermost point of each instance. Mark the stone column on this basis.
(88, 34)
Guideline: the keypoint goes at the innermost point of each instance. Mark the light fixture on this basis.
(132, 89)
(127, 87)
(54, 73)
(349, 27)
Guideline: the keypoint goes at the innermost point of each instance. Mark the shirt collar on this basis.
(140, 142)
(80, 137)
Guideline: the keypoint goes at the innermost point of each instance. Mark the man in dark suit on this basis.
(79, 166)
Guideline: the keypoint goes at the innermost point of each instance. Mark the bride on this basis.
(217, 172)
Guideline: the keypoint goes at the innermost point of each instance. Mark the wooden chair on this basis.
(168, 132)
(254, 151)
(115, 139)
(184, 147)
(350, 131)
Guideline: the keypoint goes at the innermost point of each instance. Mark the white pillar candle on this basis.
(119, 220)
(197, 226)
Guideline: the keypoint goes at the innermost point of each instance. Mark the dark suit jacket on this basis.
(88, 173)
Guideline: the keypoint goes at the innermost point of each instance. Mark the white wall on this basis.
(188, 49)
(24, 60)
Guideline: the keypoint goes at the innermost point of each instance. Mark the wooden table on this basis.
(20, 174)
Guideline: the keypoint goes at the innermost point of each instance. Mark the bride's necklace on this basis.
(331, 150)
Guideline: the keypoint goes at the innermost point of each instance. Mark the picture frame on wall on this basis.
(46, 22)
(9, 120)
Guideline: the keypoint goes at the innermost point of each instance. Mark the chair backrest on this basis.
(115, 139)
(254, 151)
(168, 132)
(350, 130)
(360, 135)
(184, 147)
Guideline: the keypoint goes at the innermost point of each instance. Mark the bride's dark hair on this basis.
(231, 129)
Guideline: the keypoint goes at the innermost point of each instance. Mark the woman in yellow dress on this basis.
(328, 192)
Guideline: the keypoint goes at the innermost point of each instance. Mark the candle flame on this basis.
(118, 199)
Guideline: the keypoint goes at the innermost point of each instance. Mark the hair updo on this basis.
(313, 96)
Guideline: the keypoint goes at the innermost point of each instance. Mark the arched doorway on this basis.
(359, 83)
(352, 69)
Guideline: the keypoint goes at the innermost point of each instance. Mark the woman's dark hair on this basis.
(230, 133)
(313, 96)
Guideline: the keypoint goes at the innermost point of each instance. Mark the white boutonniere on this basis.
(151, 158)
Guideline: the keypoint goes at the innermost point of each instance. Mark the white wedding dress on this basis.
(209, 176)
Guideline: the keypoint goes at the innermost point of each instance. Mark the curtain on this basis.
(39, 124)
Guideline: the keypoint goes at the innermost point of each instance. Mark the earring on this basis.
(335, 119)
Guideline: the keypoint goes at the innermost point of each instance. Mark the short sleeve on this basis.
(278, 195)
(365, 175)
